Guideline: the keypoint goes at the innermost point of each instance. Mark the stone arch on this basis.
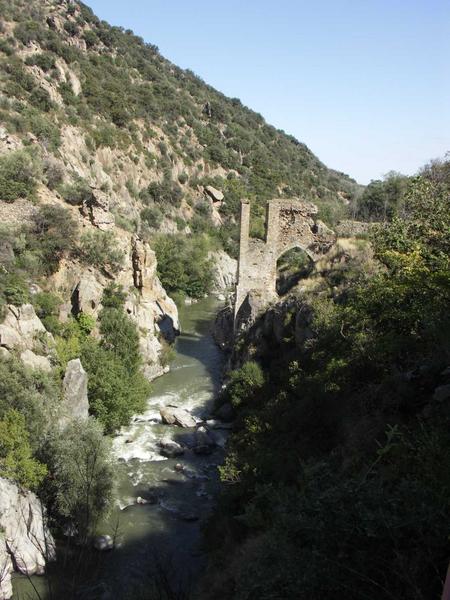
(290, 223)
(292, 264)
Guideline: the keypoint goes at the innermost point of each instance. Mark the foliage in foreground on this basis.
(336, 479)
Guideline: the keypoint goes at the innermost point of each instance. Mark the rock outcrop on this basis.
(18, 332)
(26, 544)
(96, 209)
(75, 404)
(147, 302)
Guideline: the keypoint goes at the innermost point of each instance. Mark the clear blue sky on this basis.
(364, 83)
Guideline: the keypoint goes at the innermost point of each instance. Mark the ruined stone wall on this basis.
(290, 224)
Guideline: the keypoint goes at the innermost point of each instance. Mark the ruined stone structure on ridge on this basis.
(290, 224)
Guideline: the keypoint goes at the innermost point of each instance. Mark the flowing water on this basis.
(162, 535)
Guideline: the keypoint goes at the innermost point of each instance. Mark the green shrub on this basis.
(47, 306)
(76, 193)
(44, 61)
(152, 216)
(43, 128)
(244, 383)
(18, 173)
(90, 38)
(120, 336)
(40, 98)
(53, 171)
(29, 31)
(14, 289)
(16, 460)
(71, 28)
(99, 249)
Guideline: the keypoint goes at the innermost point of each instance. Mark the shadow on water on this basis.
(158, 552)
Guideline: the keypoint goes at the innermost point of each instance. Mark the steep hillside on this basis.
(104, 109)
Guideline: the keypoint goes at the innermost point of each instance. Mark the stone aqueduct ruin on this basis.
(290, 224)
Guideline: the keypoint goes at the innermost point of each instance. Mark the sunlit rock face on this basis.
(26, 543)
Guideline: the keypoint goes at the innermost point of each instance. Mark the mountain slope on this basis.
(124, 119)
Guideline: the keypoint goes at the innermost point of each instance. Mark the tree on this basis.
(114, 393)
(16, 460)
(82, 474)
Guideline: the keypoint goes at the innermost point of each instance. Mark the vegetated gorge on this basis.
(164, 433)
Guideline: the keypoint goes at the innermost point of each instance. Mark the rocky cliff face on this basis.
(147, 303)
(26, 544)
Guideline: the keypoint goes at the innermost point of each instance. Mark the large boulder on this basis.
(26, 543)
(75, 404)
(172, 415)
(215, 194)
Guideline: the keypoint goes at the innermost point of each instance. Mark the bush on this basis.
(244, 383)
(76, 193)
(44, 61)
(14, 289)
(40, 98)
(152, 216)
(120, 336)
(99, 249)
(16, 460)
(18, 173)
(47, 306)
(53, 171)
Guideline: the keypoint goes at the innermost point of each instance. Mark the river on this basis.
(163, 536)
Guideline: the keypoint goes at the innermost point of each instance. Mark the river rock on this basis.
(172, 415)
(170, 448)
(103, 542)
(26, 544)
